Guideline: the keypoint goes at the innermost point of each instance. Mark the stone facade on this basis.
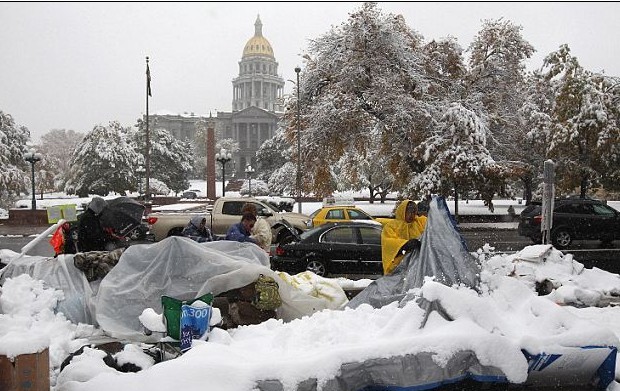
(256, 106)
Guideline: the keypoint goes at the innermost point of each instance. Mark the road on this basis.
(590, 253)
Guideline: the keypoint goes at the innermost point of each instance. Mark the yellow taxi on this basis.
(337, 210)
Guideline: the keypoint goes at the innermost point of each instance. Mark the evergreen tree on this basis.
(171, 160)
(57, 147)
(103, 162)
(13, 140)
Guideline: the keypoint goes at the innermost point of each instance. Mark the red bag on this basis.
(58, 241)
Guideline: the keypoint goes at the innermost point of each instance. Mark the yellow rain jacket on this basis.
(396, 233)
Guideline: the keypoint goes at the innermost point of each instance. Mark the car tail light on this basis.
(280, 251)
(538, 219)
(151, 220)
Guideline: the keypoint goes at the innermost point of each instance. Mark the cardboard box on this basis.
(26, 372)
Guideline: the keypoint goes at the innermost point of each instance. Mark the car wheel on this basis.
(135, 234)
(561, 238)
(317, 267)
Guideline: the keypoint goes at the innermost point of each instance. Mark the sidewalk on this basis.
(21, 230)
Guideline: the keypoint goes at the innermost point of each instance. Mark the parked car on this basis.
(573, 219)
(344, 247)
(332, 214)
(169, 220)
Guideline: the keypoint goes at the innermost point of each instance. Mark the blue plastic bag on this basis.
(194, 324)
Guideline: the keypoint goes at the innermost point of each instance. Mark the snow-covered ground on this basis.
(466, 207)
(505, 317)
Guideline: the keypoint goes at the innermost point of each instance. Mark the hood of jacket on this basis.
(195, 220)
(399, 214)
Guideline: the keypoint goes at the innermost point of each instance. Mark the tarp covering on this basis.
(182, 268)
(177, 266)
(60, 273)
(442, 255)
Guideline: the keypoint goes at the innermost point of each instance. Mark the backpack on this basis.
(267, 296)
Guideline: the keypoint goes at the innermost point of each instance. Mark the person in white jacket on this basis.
(261, 232)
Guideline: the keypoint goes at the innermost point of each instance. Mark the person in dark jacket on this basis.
(242, 231)
(91, 236)
(197, 230)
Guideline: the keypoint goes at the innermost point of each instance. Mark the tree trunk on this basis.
(456, 204)
(527, 189)
(372, 194)
(584, 186)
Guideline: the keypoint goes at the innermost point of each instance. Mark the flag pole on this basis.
(147, 160)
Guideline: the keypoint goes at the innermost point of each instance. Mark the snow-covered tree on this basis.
(104, 162)
(272, 155)
(13, 140)
(357, 171)
(171, 160)
(365, 74)
(456, 157)
(56, 147)
(445, 68)
(536, 122)
(584, 124)
(497, 81)
(199, 150)
(282, 181)
(259, 188)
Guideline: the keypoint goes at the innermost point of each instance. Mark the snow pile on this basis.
(548, 271)
(495, 323)
(29, 324)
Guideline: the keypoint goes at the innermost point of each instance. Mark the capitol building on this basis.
(256, 105)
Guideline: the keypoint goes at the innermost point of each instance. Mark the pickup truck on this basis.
(169, 220)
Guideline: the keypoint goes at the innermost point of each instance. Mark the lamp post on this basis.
(32, 157)
(223, 157)
(297, 70)
(249, 170)
(140, 171)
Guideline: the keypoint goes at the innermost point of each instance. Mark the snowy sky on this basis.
(75, 65)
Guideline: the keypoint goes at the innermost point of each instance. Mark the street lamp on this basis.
(223, 157)
(140, 171)
(297, 70)
(32, 157)
(249, 170)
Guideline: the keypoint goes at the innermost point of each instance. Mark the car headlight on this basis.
(309, 224)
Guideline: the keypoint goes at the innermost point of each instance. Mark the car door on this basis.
(370, 251)
(605, 222)
(340, 249)
(570, 216)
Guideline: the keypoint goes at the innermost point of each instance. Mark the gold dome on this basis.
(258, 45)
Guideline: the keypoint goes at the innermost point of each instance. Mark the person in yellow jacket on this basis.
(400, 235)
